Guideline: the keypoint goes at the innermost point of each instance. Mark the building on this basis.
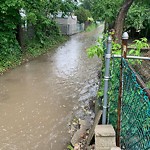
(68, 24)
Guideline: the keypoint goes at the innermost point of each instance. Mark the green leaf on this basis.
(70, 147)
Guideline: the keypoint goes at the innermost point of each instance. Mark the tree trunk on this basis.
(19, 35)
(119, 23)
(19, 32)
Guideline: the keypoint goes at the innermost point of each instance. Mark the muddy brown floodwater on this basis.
(37, 99)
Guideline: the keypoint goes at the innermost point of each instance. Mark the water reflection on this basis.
(67, 57)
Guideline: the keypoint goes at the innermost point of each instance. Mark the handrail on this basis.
(132, 57)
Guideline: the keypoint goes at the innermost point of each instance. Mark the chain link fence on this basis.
(135, 108)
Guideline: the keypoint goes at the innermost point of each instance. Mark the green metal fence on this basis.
(135, 109)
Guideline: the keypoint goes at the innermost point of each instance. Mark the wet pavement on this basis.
(37, 99)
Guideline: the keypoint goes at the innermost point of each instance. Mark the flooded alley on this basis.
(37, 99)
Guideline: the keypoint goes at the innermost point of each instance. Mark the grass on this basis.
(91, 27)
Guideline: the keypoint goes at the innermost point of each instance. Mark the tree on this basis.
(138, 19)
(116, 12)
(103, 10)
(68, 6)
(87, 4)
(82, 14)
(38, 13)
(119, 23)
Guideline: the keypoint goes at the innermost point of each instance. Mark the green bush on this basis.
(82, 14)
(35, 48)
(10, 52)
